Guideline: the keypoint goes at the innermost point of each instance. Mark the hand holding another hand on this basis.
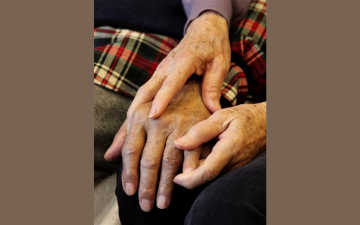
(205, 51)
(241, 131)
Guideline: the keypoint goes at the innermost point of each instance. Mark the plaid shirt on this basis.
(125, 59)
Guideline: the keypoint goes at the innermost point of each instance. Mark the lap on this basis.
(237, 197)
(109, 114)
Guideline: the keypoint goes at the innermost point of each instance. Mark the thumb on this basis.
(202, 132)
(212, 87)
(114, 151)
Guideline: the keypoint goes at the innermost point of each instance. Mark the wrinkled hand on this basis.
(241, 131)
(205, 51)
(152, 140)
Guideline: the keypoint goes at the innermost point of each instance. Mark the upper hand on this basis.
(205, 51)
(241, 131)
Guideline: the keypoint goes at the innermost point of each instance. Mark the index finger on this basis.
(211, 167)
(203, 131)
(172, 84)
(147, 92)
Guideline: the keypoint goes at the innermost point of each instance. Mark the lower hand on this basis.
(241, 131)
(152, 141)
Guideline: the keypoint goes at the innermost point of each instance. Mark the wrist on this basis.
(209, 19)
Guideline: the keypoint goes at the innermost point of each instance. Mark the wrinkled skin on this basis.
(241, 133)
(205, 51)
(164, 110)
(149, 146)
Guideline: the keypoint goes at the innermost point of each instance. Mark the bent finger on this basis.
(202, 132)
(212, 87)
(211, 167)
(191, 159)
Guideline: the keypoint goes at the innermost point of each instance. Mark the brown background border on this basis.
(47, 112)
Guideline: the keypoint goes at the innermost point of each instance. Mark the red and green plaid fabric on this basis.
(125, 59)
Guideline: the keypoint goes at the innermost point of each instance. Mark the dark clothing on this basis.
(109, 113)
(237, 197)
(155, 16)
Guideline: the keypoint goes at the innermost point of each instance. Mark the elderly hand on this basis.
(241, 131)
(204, 50)
(152, 141)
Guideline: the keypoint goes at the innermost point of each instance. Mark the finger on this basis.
(191, 159)
(149, 168)
(212, 86)
(172, 84)
(131, 152)
(210, 168)
(205, 151)
(147, 92)
(171, 162)
(114, 151)
(203, 132)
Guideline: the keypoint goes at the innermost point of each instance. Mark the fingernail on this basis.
(152, 112)
(145, 205)
(106, 155)
(181, 141)
(177, 180)
(162, 202)
(187, 170)
(130, 188)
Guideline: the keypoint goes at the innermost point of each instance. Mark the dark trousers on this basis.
(237, 197)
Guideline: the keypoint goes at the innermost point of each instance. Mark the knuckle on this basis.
(143, 90)
(169, 161)
(218, 115)
(208, 175)
(184, 54)
(199, 130)
(128, 152)
(166, 185)
(129, 174)
(141, 111)
(146, 190)
(214, 86)
(160, 125)
(148, 162)
(171, 82)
